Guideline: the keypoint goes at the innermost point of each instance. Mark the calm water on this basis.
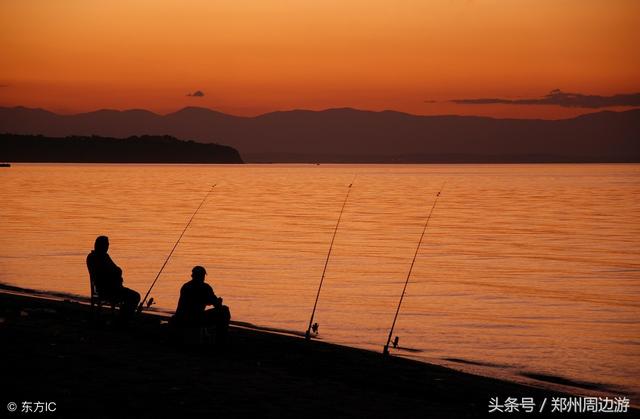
(524, 268)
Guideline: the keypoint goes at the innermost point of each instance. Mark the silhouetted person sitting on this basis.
(195, 296)
(107, 278)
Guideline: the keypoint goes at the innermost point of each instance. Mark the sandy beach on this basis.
(53, 351)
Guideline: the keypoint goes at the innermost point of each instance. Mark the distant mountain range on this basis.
(350, 135)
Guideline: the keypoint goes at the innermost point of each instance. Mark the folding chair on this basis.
(97, 302)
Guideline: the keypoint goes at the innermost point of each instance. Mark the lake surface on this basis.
(524, 268)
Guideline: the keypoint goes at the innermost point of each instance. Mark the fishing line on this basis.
(174, 248)
(307, 334)
(385, 351)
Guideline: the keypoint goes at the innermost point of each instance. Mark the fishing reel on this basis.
(314, 328)
(150, 303)
(395, 342)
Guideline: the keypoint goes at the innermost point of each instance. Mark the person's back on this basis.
(104, 273)
(107, 278)
(195, 296)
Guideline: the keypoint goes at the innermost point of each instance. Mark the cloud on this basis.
(560, 98)
(197, 93)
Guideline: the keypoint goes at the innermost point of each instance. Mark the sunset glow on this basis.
(251, 57)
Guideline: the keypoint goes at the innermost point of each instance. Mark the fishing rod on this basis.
(313, 326)
(174, 248)
(385, 350)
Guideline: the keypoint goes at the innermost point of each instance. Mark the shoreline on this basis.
(52, 351)
(531, 378)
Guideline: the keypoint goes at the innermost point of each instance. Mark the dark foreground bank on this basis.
(52, 351)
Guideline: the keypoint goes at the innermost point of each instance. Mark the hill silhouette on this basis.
(351, 135)
(144, 149)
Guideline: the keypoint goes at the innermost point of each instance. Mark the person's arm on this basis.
(115, 270)
(212, 298)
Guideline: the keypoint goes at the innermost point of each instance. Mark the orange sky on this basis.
(255, 56)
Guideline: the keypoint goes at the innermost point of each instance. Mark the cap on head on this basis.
(198, 272)
(102, 244)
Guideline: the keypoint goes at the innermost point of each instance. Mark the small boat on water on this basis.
(5, 164)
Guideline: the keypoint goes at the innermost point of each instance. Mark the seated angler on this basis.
(107, 278)
(195, 296)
